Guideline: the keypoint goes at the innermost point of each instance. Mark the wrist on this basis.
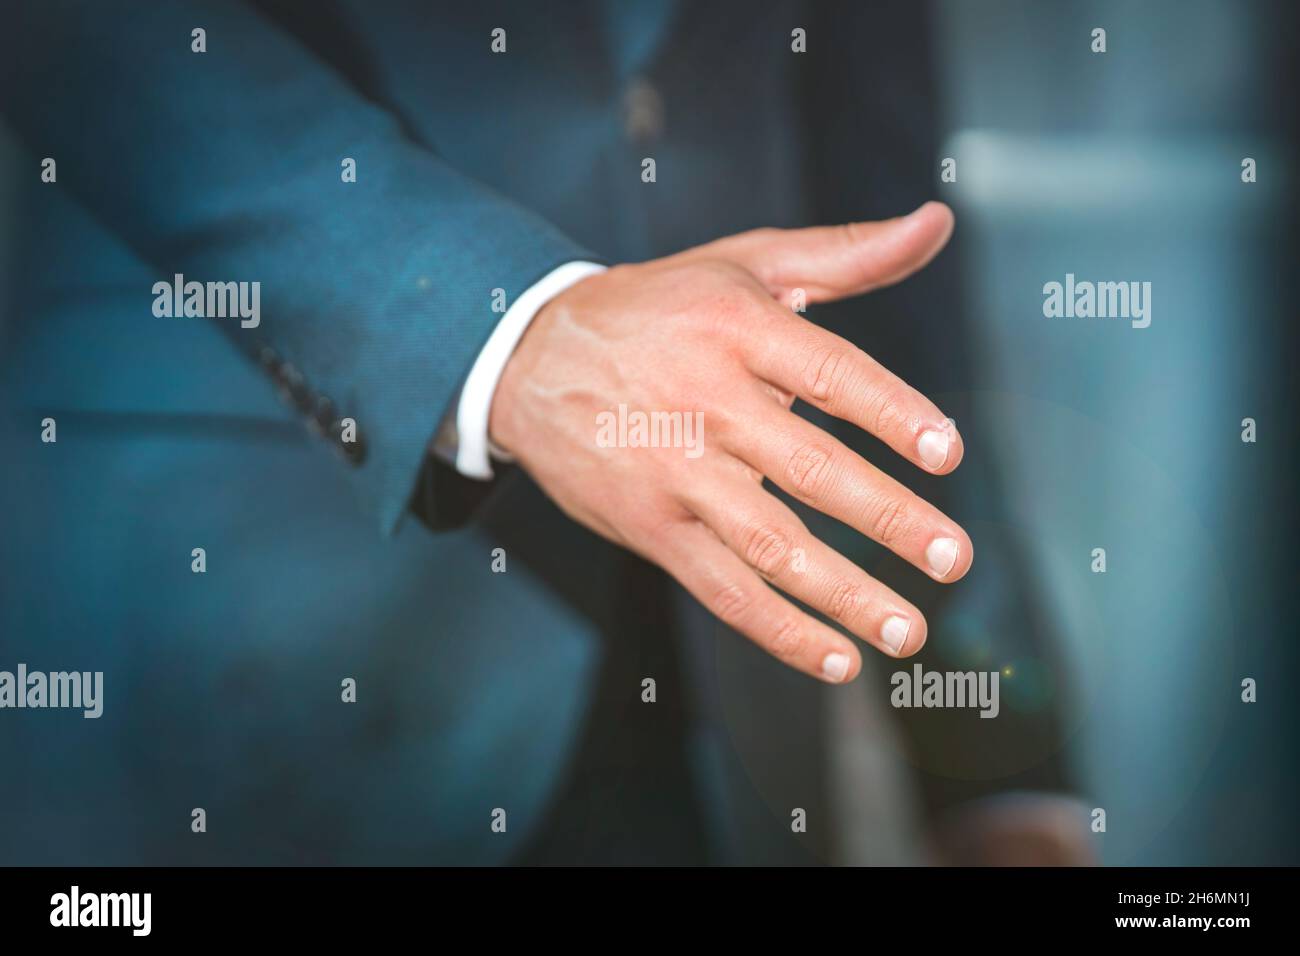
(507, 429)
(473, 440)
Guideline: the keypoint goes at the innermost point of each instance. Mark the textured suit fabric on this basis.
(474, 172)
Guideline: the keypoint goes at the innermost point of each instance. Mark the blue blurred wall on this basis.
(1126, 166)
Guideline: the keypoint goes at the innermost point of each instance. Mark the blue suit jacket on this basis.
(475, 171)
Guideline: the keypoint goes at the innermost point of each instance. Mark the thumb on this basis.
(832, 262)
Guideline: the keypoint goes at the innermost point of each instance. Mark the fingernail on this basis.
(941, 555)
(894, 633)
(835, 667)
(933, 448)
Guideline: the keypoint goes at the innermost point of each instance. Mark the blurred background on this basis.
(1127, 166)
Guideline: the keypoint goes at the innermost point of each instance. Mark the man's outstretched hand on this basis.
(710, 330)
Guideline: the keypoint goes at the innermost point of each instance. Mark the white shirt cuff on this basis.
(469, 437)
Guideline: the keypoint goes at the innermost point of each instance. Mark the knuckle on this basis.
(660, 531)
(890, 521)
(807, 469)
(788, 641)
(730, 603)
(727, 311)
(886, 411)
(844, 601)
(825, 372)
(766, 549)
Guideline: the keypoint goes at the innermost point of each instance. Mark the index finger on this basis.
(833, 374)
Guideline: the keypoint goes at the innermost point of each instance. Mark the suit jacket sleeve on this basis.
(226, 166)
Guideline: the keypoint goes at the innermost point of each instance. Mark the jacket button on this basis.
(322, 417)
(354, 451)
(643, 112)
(294, 388)
(270, 361)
